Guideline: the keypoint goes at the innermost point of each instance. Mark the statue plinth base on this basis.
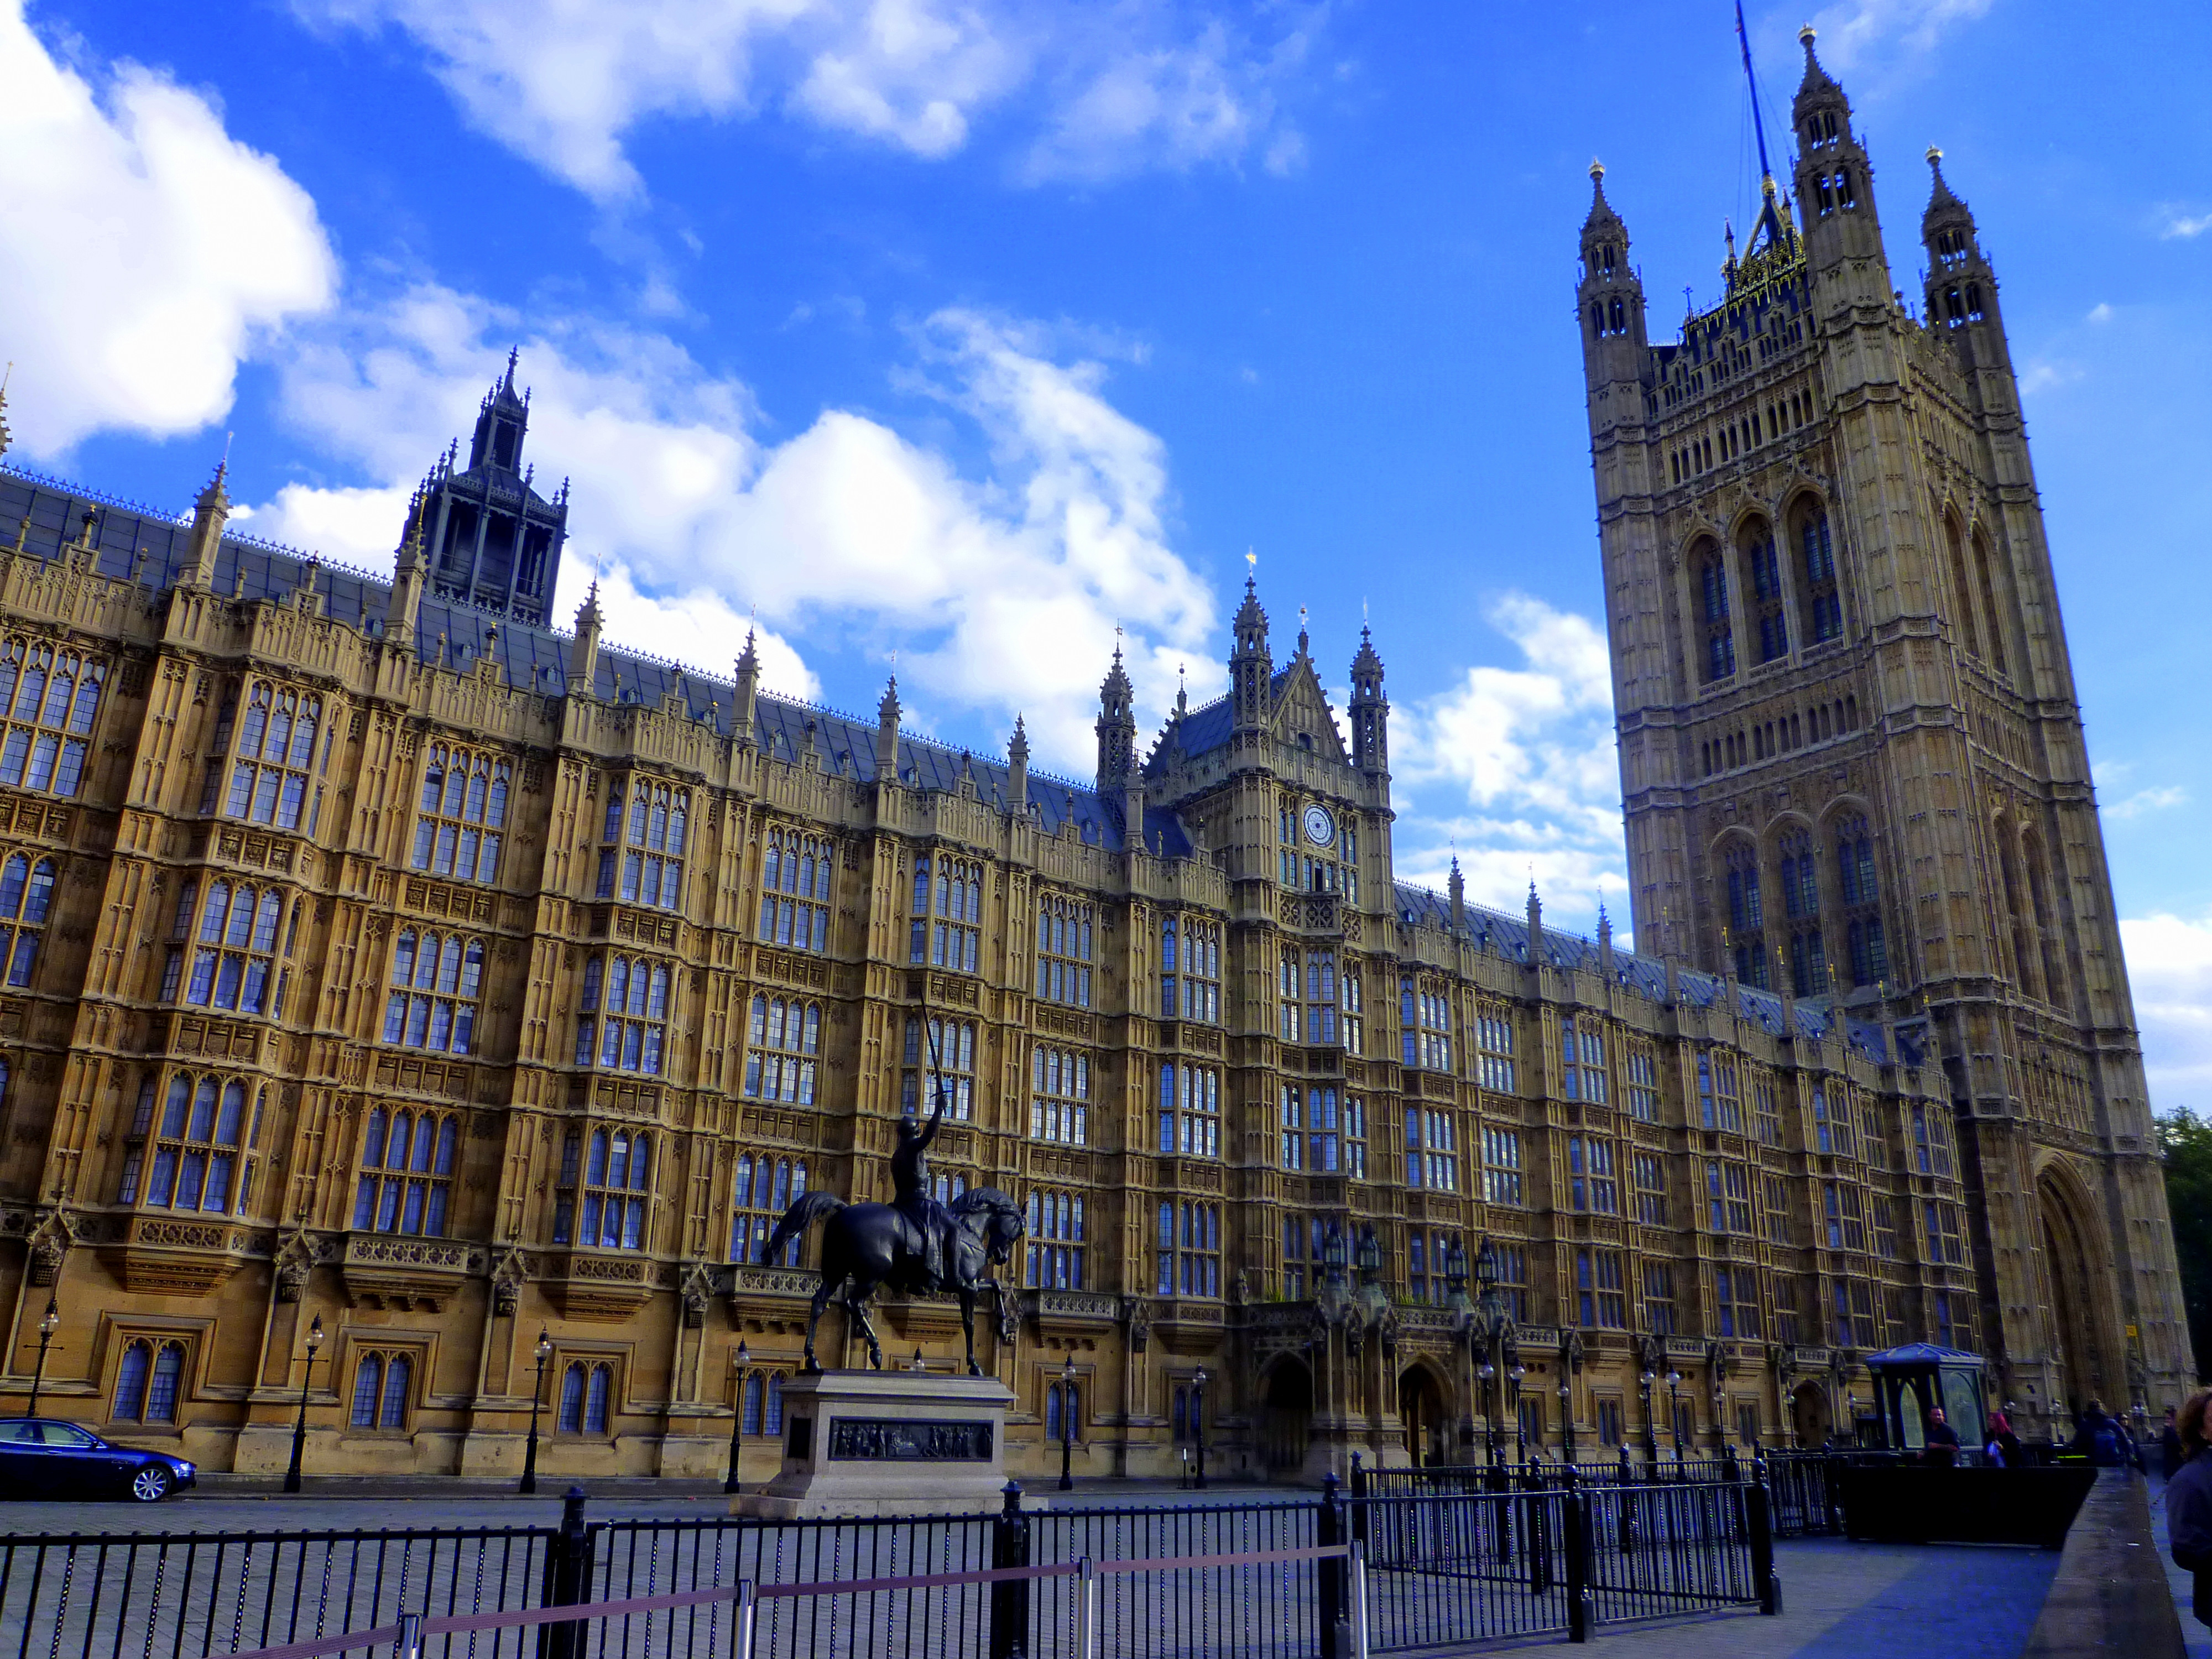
(866, 1444)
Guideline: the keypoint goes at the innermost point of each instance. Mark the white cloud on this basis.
(2148, 800)
(1529, 754)
(2170, 969)
(1876, 35)
(2043, 374)
(2183, 225)
(2100, 313)
(1135, 84)
(141, 249)
(1001, 592)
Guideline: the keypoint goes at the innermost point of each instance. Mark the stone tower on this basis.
(1850, 752)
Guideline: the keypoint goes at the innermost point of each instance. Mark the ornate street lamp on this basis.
(1067, 1422)
(1520, 1428)
(47, 1325)
(1197, 1425)
(300, 1428)
(1645, 1378)
(1675, 1410)
(1489, 1374)
(1567, 1416)
(544, 1351)
(1490, 1326)
(737, 1413)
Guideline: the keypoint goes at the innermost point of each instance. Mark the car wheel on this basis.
(151, 1483)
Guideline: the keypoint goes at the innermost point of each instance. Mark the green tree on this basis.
(2184, 1141)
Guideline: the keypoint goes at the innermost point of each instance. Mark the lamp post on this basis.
(48, 1324)
(1645, 1378)
(737, 1413)
(544, 1351)
(1520, 1428)
(1197, 1425)
(1675, 1410)
(1567, 1416)
(1489, 1374)
(1067, 1422)
(300, 1428)
(1490, 1316)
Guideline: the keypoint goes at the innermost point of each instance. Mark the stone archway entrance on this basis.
(1421, 1410)
(2068, 1261)
(1811, 1417)
(1287, 1417)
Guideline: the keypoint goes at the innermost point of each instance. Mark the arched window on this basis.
(436, 981)
(202, 1156)
(749, 1422)
(1747, 913)
(398, 1377)
(406, 1172)
(1962, 592)
(630, 1033)
(276, 744)
(1060, 1098)
(1713, 609)
(796, 872)
(939, 1057)
(616, 1182)
(26, 893)
(1762, 568)
(367, 1390)
(773, 1422)
(2038, 893)
(646, 865)
(1862, 894)
(595, 1400)
(1990, 608)
(49, 702)
(1063, 949)
(1056, 1248)
(1821, 601)
(571, 1418)
(130, 1379)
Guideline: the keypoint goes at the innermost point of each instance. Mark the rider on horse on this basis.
(910, 1194)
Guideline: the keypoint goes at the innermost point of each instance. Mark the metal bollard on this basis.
(1087, 1609)
(741, 1627)
(1358, 1599)
(410, 1644)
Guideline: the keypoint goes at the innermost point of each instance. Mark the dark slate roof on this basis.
(1508, 935)
(536, 658)
(1924, 1353)
(1208, 726)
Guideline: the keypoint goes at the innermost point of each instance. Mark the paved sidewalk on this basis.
(2198, 1637)
(1845, 1601)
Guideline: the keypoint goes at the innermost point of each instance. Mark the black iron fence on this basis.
(1545, 1552)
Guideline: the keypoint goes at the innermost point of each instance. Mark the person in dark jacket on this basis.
(2169, 1448)
(2189, 1503)
(2005, 1444)
(2097, 1438)
(1943, 1441)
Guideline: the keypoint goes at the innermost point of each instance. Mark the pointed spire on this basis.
(1535, 925)
(748, 688)
(584, 655)
(1942, 195)
(887, 725)
(1604, 939)
(1456, 887)
(210, 513)
(514, 354)
(1600, 212)
(1182, 692)
(1816, 78)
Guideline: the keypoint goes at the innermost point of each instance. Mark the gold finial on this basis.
(1251, 559)
(1596, 171)
(1805, 36)
(1935, 155)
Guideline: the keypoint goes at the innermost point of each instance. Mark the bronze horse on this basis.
(865, 1246)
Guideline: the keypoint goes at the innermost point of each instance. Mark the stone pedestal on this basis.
(865, 1443)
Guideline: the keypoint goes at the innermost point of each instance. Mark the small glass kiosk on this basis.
(1911, 1379)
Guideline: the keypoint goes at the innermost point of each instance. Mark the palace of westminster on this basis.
(411, 1004)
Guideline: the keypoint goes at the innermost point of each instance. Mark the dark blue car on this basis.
(40, 1457)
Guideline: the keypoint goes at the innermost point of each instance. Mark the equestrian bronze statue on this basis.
(912, 1246)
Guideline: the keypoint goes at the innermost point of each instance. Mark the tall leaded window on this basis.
(1763, 568)
(436, 981)
(645, 833)
(1651, 1169)
(586, 1393)
(940, 1063)
(796, 871)
(233, 961)
(1425, 1255)
(1861, 888)
(464, 811)
(782, 1039)
(1765, 1112)
(1055, 1228)
(622, 1023)
(1800, 900)
(1303, 1239)
(198, 1150)
(1591, 1182)
(1501, 1166)
(948, 914)
(383, 1388)
(1931, 1142)
(1432, 1150)
(1060, 1095)
(148, 1381)
(760, 1191)
(1190, 1110)
(275, 748)
(1719, 654)
(1720, 1104)
(1727, 1196)
(1512, 1261)
(1190, 1250)
(1190, 970)
(1354, 1002)
(50, 701)
(1582, 1046)
(1747, 915)
(1320, 996)
(1642, 1085)
(1659, 1297)
(1823, 602)
(599, 1201)
(1737, 1294)
(1424, 1025)
(26, 894)
(1291, 1021)
(1063, 950)
(1493, 1041)
(406, 1183)
(1598, 1288)
(1324, 1151)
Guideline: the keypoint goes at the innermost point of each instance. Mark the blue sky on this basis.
(969, 331)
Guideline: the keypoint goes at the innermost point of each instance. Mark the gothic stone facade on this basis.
(1849, 745)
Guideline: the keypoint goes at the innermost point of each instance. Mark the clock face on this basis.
(1320, 828)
